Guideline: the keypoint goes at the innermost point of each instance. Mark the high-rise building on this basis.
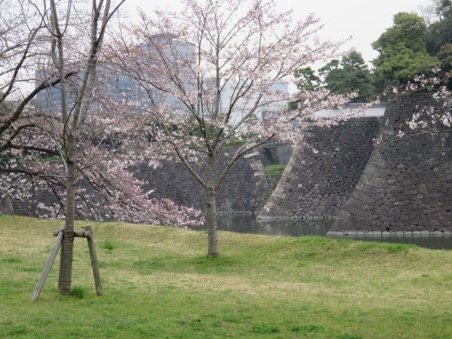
(163, 56)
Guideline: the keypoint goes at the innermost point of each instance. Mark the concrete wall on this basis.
(407, 183)
(316, 183)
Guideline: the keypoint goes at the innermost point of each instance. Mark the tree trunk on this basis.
(65, 277)
(211, 208)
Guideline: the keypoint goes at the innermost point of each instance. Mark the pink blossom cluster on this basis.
(438, 115)
(198, 80)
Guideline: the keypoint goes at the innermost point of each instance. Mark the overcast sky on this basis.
(363, 20)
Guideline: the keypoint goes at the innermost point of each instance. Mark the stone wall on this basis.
(244, 190)
(6, 206)
(399, 185)
(317, 181)
(407, 183)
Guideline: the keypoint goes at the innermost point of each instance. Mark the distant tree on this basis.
(348, 75)
(307, 79)
(439, 36)
(439, 33)
(402, 49)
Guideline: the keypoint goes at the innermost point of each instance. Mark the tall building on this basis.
(124, 87)
(163, 55)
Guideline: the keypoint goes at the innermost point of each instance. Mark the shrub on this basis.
(77, 292)
(274, 170)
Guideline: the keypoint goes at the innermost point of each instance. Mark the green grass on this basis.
(158, 283)
(274, 170)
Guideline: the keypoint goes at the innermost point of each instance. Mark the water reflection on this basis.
(298, 228)
(290, 228)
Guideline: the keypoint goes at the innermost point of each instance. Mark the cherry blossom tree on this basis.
(208, 75)
(79, 144)
(61, 23)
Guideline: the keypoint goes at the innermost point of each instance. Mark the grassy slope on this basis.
(158, 283)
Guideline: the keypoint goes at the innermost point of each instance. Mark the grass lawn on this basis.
(158, 283)
(274, 170)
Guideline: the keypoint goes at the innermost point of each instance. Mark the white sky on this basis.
(363, 20)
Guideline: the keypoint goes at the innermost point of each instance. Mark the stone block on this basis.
(253, 154)
(279, 194)
(290, 175)
(370, 169)
(437, 234)
(363, 198)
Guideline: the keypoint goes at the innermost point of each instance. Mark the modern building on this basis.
(175, 57)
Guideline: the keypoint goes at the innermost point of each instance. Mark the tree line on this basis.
(411, 46)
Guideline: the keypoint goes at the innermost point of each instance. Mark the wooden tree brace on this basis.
(48, 266)
(93, 256)
(78, 234)
(88, 234)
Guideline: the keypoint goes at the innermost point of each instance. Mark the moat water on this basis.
(299, 228)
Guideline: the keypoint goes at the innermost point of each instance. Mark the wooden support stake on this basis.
(48, 266)
(92, 253)
(77, 234)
